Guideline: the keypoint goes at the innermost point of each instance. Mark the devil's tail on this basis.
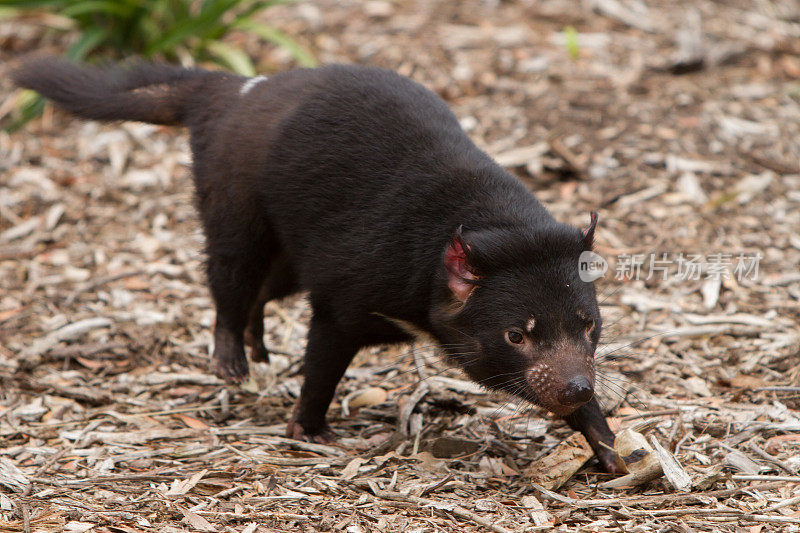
(146, 92)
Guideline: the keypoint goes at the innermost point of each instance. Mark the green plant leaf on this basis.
(91, 39)
(29, 105)
(95, 7)
(256, 7)
(268, 33)
(8, 12)
(572, 44)
(200, 26)
(33, 4)
(231, 57)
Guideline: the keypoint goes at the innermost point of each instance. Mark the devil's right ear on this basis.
(587, 235)
(461, 276)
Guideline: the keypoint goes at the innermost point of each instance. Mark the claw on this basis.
(231, 371)
(611, 462)
(294, 430)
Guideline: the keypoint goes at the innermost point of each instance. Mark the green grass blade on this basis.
(29, 106)
(249, 11)
(206, 22)
(96, 7)
(91, 39)
(35, 4)
(231, 57)
(8, 12)
(268, 33)
(572, 43)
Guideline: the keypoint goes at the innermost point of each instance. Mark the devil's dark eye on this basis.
(515, 337)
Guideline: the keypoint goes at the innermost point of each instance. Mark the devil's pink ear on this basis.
(588, 233)
(461, 277)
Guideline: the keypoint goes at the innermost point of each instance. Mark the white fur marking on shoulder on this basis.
(250, 83)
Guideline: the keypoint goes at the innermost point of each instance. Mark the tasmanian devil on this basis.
(359, 186)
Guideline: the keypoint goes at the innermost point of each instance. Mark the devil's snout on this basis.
(577, 391)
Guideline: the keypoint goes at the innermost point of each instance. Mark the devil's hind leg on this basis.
(234, 280)
(279, 283)
(239, 248)
(254, 332)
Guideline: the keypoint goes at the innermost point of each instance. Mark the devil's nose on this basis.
(577, 391)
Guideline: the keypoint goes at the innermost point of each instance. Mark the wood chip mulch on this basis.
(677, 121)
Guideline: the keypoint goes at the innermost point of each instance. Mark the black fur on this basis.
(359, 186)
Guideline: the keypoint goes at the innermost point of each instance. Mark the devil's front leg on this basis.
(589, 420)
(328, 353)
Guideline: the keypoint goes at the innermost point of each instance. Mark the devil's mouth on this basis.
(564, 409)
(557, 408)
